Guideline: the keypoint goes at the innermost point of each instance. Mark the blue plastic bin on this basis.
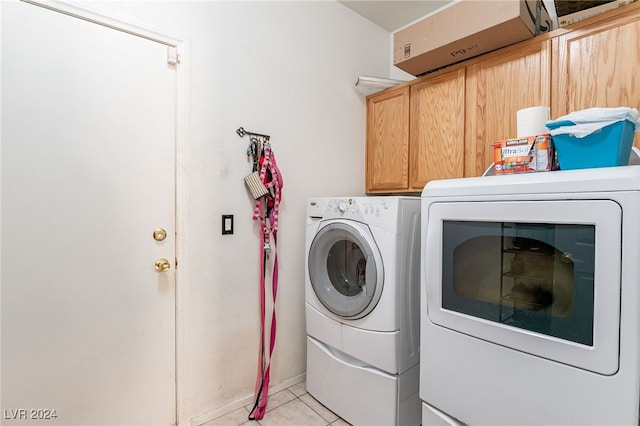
(610, 146)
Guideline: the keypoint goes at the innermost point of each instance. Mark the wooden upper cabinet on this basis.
(415, 134)
(437, 129)
(598, 65)
(498, 86)
(387, 151)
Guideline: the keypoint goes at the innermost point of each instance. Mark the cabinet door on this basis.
(517, 77)
(387, 150)
(597, 66)
(437, 129)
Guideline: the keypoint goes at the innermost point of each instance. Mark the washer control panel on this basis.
(354, 208)
(387, 213)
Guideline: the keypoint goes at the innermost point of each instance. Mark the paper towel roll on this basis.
(531, 121)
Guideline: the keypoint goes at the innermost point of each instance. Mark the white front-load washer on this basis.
(362, 286)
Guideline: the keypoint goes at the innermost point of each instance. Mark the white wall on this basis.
(286, 69)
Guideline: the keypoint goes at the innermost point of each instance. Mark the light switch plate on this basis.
(227, 224)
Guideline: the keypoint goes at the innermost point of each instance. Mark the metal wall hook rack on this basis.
(242, 132)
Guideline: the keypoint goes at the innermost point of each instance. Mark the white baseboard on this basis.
(247, 400)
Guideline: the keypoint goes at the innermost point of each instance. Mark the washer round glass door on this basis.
(345, 269)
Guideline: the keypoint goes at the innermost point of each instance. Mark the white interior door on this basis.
(88, 174)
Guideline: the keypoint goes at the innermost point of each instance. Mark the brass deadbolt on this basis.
(159, 234)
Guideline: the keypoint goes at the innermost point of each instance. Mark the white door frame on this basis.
(80, 11)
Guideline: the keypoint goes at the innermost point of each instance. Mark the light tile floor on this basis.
(290, 407)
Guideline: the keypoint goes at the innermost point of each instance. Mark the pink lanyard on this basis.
(269, 226)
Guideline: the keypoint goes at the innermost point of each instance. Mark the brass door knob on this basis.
(162, 265)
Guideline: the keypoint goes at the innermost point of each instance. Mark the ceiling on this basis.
(393, 14)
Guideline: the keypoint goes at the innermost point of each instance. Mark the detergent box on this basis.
(522, 155)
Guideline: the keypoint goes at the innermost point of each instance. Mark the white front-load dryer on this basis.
(362, 307)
